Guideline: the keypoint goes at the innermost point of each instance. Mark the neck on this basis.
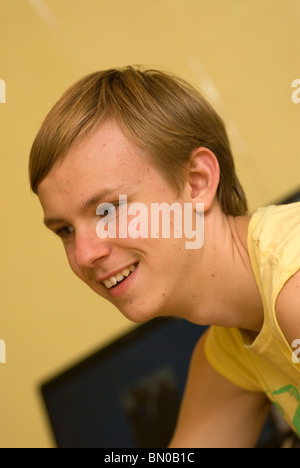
(226, 290)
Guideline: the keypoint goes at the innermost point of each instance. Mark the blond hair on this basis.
(160, 113)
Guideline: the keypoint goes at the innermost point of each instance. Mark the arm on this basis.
(215, 412)
(288, 309)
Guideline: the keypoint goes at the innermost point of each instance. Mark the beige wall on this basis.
(244, 54)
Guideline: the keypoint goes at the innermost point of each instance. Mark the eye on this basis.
(107, 209)
(64, 232)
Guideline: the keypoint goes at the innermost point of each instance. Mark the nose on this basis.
(89, 249)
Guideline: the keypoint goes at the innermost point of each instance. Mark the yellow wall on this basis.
(244, 54)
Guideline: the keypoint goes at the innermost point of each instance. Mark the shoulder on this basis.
(274, 223)
(276, 249)
(288, 308)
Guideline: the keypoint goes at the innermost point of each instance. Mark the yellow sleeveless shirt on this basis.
(268, 363)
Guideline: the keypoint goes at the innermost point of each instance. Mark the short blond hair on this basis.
(159, 112)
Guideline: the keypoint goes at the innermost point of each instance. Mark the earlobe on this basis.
(204, 176)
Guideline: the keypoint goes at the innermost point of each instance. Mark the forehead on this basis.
(106, 148)
(104, 159)
(105, 153)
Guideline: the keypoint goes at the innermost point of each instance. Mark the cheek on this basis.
(71, 260)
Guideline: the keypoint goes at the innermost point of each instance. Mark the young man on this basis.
(151, 137)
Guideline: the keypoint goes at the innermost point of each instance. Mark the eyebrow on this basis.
(92, 201)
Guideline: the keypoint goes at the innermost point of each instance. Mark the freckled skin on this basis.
(108, 159)
(170, 280)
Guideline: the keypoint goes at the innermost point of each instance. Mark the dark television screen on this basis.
(126, 394)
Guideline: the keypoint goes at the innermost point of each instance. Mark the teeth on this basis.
(113, 280)
(119, 276)
(125, 272)
(107, 283)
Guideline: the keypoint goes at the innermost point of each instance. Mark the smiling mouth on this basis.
(119, 277)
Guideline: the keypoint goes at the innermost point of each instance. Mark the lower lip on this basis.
(121, 288)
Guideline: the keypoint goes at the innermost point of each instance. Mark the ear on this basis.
(203, 177)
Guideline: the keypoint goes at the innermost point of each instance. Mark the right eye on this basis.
(64, 232)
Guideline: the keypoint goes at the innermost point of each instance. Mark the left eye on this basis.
(107, 209)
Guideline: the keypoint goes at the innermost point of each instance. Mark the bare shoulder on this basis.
(288, 308)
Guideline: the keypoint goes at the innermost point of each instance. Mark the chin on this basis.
(139, 315)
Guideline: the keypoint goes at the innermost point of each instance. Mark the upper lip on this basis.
(113, 273)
